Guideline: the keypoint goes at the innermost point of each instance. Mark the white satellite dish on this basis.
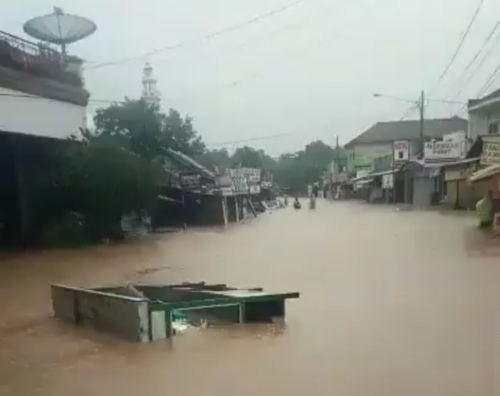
(59, 28)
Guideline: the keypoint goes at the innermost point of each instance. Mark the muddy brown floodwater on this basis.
(393, 303)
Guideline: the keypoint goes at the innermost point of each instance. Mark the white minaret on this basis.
(150, 94)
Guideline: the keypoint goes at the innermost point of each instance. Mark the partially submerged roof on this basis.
(485, 173)
(189, 163)
(386, 132)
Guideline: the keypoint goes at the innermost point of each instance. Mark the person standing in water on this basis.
(484, 210)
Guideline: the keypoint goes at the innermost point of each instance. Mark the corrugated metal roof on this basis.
(385, 132)
(189, 162)
(485, 173)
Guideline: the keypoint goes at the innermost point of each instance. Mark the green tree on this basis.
(296, 171)
(217, 159)
(133, 125)
(180, 135)
(144, 130)
(248, 157)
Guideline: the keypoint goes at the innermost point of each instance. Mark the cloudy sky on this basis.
(309, 71)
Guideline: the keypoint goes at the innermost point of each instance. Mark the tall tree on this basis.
(179, 134)
(133, 125)
(143, 129)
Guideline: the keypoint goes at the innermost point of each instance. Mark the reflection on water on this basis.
(393, 303)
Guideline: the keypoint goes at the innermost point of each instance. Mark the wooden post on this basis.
(237, 208)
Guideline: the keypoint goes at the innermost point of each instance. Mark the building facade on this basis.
(41, 93)
(484, 115)
(42, 103)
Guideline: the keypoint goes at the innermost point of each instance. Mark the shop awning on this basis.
(363, 182)
(485, 173)
(370, 176)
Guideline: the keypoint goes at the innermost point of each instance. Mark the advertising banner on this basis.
(401, 150)
(450, 150)
(190, 181)
(245, 180)
(491, 152)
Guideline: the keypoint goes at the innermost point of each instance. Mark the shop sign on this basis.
(362, 173)
(388, 181)
(443, 150)
(401, 150)
(253, 175)
(254, 189)
(190, 181)
(491, 153)
(239, 182)
(223, 181)
(340, 177)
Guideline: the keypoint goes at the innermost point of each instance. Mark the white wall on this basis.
(34, 115)
(478, 125)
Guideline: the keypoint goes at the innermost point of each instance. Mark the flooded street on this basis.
(392, 303)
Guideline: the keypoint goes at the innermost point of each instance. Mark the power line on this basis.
(249, 140)
(462, 40)
(454, 56)
(224, 31)
(489, 81)
(481, 63)
(479, 51)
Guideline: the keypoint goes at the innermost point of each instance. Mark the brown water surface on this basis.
(393, 303)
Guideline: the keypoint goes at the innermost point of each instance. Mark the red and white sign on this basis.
(401, 150)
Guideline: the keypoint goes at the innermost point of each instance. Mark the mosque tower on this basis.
(150, 93)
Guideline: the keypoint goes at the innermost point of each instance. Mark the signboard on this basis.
(362, 172)
(190, 181)
(401, 150)
(388, 181)
(491, 152)
(254, 189)
(253, 175)
(239, 182)
(340, 177)
(223, 181)
(448, 150)
(245, 180)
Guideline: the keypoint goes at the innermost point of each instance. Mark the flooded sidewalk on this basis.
(392, 303)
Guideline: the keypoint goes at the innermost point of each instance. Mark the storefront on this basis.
(460, 193)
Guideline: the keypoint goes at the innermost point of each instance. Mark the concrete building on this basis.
(40, 93)
(378, 140)
(484, 115)
(42, 102)
(396, 147)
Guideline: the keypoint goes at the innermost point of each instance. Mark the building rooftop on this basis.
(37, 59)
(385, 132)
(39, 69)
(474, 104)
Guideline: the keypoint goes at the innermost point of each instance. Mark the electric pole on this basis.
(337, 155)
(422, 115)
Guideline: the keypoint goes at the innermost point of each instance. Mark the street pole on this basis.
(337, 154)
(422, 115)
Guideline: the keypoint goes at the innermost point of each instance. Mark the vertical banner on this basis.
(401, 150)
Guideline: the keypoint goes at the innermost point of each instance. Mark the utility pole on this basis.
(337, 154)
(422, 115)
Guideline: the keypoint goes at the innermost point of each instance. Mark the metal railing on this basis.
(37, 59)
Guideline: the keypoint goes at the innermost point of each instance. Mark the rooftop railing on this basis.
(37, 59)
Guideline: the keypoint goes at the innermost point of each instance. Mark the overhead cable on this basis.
(221, 32)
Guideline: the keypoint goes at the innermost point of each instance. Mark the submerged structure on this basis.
(150, 313)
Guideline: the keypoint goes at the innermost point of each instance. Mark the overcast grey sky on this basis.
(310, 71)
